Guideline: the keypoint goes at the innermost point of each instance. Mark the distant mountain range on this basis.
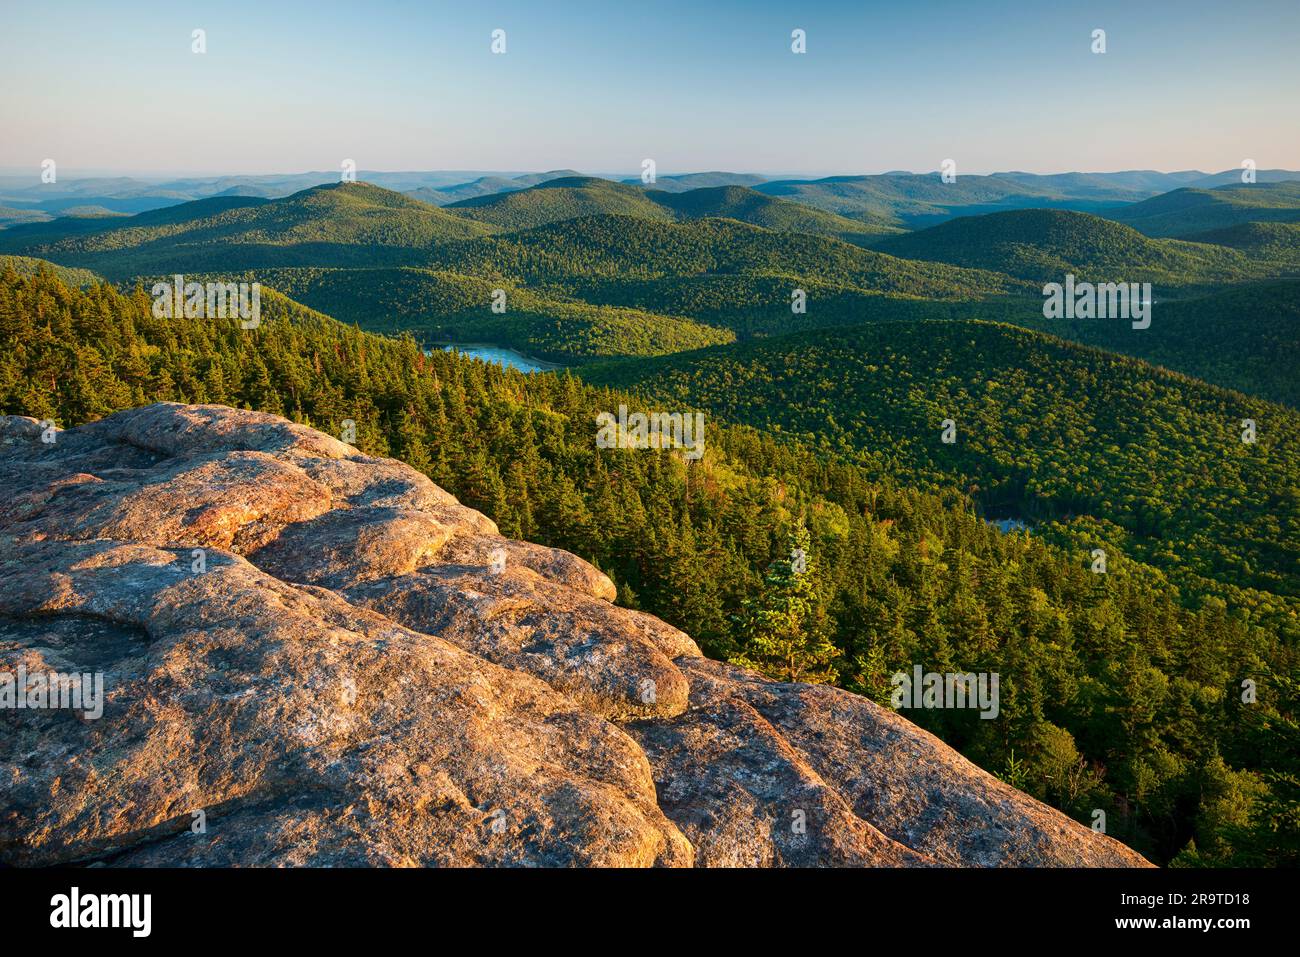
(570, 197)
(1239, 231)
(833, 330)
(886, 199)
(595, 268)
(335, 225)
(359, 224)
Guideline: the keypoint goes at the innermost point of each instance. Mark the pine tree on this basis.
(783, 630)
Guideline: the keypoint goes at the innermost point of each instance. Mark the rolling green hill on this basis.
(633, 285)
(770, 212)
(682, 182)
(338, 224)
(484, 186)
(1046, 430)
(759, 305)
(11, 216)
(370, 256)
(26, 266)
(914, 200)
(1186, 211)
(1245, 338)
(557, 200)
(1279, 241)
(569, 198)
(38, 235)
(1125, 184)
(573, 332)
(558, 321)
(1044, 245)
(624, 247)
(444, 306)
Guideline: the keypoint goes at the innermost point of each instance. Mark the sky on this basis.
(287, 86)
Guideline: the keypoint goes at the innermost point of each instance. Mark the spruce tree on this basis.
(783, 630)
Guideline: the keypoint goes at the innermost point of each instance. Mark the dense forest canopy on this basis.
(571, 197)
(1120, 692)
(1044, 430)
(833, 330)
(1191, 210)
(1043, 245)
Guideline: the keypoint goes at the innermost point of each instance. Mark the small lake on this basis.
(1008, 525)
(501, 356)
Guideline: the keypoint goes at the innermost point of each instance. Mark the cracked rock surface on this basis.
(312, 657)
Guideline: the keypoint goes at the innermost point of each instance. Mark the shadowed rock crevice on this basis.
(340, 664)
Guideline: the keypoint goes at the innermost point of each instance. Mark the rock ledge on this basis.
(314, 657)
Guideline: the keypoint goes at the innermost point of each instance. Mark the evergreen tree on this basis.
(783, 630)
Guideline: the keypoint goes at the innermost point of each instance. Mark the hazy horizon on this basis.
(177, 174)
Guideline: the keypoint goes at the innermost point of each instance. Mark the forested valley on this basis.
(1121, 691)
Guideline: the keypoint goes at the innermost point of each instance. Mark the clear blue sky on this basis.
(289, 86)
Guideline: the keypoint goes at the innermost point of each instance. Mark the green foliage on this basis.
(1043, 245)
(782, 631)
(1278, 241)
(1181, 212)
(9, 216)
(343, 224)
(569, 198)
(1046, 431)
(913, 200)
(443, 306)
(1245, 337)
(770, 212)
(1142, 676)
(27, 266)
(557, 200)
(624, 247)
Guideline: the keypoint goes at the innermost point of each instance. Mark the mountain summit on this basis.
(314, 657)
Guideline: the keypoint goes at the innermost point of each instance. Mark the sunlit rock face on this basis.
(312, 657)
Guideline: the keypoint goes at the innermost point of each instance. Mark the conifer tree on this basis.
(783, 630)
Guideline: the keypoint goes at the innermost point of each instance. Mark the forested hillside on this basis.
(27, 266)
(559, 199)
(1044, 245)
(343, 224)
(1151, 462)
(1246, 337)
(914, 200)
(481, 186)
(1265, 240)
(1119, 691)
(569, 198)
(681, 182)
(625, 247)
(440, 307)
(672, 278)
(1185, 211)
(11, 216)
